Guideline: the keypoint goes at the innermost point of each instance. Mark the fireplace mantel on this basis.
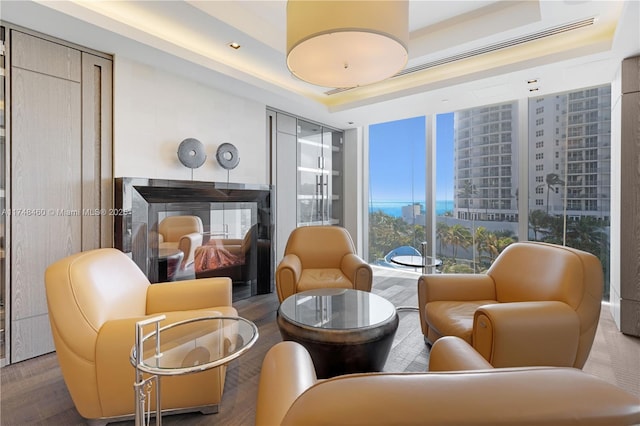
(143, 202)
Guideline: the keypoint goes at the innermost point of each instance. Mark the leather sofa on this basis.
(538, 304)
(183, 233)
(95, 299)
(290, 394)
(321, 257)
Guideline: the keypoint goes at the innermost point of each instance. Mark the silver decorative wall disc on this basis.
(191, 153)
(227, 156)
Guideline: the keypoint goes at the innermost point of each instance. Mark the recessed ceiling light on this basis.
(533, 80)
(234, 45)
(534, 89)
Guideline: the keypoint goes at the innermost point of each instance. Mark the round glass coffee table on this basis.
(185, 347)
(345, 331)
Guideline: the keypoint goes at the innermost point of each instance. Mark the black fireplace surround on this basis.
(144, 202)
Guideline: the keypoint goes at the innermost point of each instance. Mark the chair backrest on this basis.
(173, 228)
(535, 271)
(87, 289)
(320, 246)
(249, 239)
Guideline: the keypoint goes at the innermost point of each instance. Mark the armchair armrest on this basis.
(186, 295)
(527, 333)
(188, 244)
(455, 287)
(459, 287)
(358, 271)
(287, 276)
(451, 353)
(287, 372)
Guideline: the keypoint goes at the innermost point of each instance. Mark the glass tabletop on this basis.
(195, 345)
(338, 309)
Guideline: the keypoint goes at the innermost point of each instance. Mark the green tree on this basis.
(552, 180)
(459, 236)
(468, 192)
(442, 229)
(482, 238)
(538, 220)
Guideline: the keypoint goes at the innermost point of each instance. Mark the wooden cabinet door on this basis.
(45, 180)
(60, 180)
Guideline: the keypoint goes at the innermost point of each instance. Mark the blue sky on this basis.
(397, 159)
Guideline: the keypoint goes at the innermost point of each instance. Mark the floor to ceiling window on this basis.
(397, 175)
(477, 188)
(570, 171)
(482, 183)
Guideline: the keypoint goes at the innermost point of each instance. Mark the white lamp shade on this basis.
(346, 43)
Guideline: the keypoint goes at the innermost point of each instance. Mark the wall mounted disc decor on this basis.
(227, 156)
(191, 153)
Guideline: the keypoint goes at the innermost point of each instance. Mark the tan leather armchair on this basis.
(538, 304)
(321, 257)
(290, 394)
(94, 299)
(183, 233)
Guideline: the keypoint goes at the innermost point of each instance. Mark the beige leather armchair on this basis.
(94, 299)
(290, 394)
(321, 257)
(538, 304)
(183, 233)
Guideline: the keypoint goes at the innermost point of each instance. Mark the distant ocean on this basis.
(394, 208)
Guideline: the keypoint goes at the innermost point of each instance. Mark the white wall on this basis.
(353, 187)
(155, 110)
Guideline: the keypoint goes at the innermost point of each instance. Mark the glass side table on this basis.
(184, 347)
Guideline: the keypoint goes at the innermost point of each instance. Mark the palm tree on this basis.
(552, 180)
(441, 234)
(467, 192)
(537, 222)
(458, 236)
(587, 234)
(482, 238)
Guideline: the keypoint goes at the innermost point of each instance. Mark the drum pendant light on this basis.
(344, 44)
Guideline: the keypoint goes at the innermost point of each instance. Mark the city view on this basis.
(477, 174)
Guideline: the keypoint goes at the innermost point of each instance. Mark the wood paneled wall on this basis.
(625, 287)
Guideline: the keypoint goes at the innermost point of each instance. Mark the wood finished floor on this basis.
(33, 392)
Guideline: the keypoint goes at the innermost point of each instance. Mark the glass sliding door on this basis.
(310, 173)
(319, 175)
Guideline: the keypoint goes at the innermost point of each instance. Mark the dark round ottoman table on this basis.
(345, 331)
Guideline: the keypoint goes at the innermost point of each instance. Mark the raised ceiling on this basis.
(461, 53)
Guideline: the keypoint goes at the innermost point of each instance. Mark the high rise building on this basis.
(569, 140)
(569, 153)
(486, 163)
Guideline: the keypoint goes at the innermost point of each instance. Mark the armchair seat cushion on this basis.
(311, 279)
(451, 318)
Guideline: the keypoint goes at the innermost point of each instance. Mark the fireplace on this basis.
(233, 240)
